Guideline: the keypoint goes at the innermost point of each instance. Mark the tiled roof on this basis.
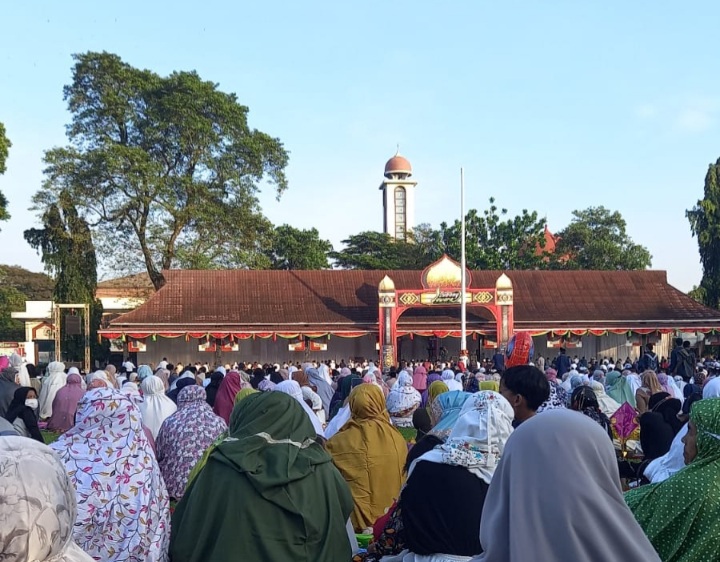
(347, 300)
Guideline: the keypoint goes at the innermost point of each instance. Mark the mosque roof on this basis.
(347, 301)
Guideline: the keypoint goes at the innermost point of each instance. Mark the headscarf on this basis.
(184, 437)
(445, 411)
(608, 406)
(478, 438)
(420, 378)
(212, 389)
(54, 381)
(618, 388)
(155, 407)
(559, 441)
(23, 375)
(434, 390)
(293, 389)
(583, 400)
(301, 378)
(323, 388)
(266, 386)
(225, 398)
(662, 468)
(448, 377)
(275, 481)
(110, 462)
(370, 454)
(143, 372)
(680, 514)
(490, 385)
(403, 400)
(558, 397)
(39, 507)
(111, 372)
(65, 405)
(324, 371)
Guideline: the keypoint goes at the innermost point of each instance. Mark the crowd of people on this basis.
(428, 462)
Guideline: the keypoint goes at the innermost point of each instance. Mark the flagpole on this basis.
(463, 275)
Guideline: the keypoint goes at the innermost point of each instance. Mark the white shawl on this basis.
(155, 407)
(54, 381)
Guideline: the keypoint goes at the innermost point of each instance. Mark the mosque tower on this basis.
(398, 198)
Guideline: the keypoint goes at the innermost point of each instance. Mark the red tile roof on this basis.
(347, 300)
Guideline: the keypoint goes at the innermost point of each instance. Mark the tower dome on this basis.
(398, 166)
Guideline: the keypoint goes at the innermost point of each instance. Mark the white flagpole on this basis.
(463, 280)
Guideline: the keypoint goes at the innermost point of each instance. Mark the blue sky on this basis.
(550, 106)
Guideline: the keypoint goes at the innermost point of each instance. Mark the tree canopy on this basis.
(163, 168)
(376, 250)
(496, 242)
(68, 252)
(5, 145)
(596, 238)
(292, 248)
(704, 220)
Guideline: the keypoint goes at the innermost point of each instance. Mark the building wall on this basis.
(177, 350)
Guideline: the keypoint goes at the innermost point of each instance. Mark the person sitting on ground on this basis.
(39, 505)
(184, 437)
(445, 523)
(523, 513)
(680, 515)
(268, 492)
(526, 388)
(110, 462)
(650, 385)
(369, 453)
(403, 400)
(22, 413)
(65, 405)
(583, 400)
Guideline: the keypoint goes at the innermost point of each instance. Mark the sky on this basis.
(550, 106)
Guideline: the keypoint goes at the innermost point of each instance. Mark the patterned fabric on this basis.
(445, 411)
(403, 400)
(37, 510)
(478, 438)
(391, 540)
(558, 398)
(680, 515)
(185, 436)
(123, 506)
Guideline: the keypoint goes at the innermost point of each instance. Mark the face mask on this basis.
(32, 403)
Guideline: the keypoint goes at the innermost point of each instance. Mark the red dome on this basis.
(398, 164)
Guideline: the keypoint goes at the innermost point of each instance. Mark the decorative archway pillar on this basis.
(504, 301)
(387, 324)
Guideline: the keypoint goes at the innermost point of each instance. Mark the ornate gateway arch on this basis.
(441, 287)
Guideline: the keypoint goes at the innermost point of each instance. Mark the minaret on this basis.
(398, 198)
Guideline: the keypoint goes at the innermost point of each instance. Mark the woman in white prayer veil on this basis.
(23, 375)
(53, 382)
(293, 389)
(522, 513)
(155, 407)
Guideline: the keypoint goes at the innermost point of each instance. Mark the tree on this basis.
(596, 238)
(704, 220)
(68, 252)
(161, 167)
(291, 248)
(5, 145)
(697, 294)
(33, 285)
(494, 243)
(376, 250)
(18, 285)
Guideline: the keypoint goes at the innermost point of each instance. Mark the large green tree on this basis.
(292, 248)
(18, 285)
(704, 220)
(376, 250)
(5, 145)
(66, 245)
(596, 238)
(161, 166)
(496, 241)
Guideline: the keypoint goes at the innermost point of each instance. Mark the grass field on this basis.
(49, 436)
